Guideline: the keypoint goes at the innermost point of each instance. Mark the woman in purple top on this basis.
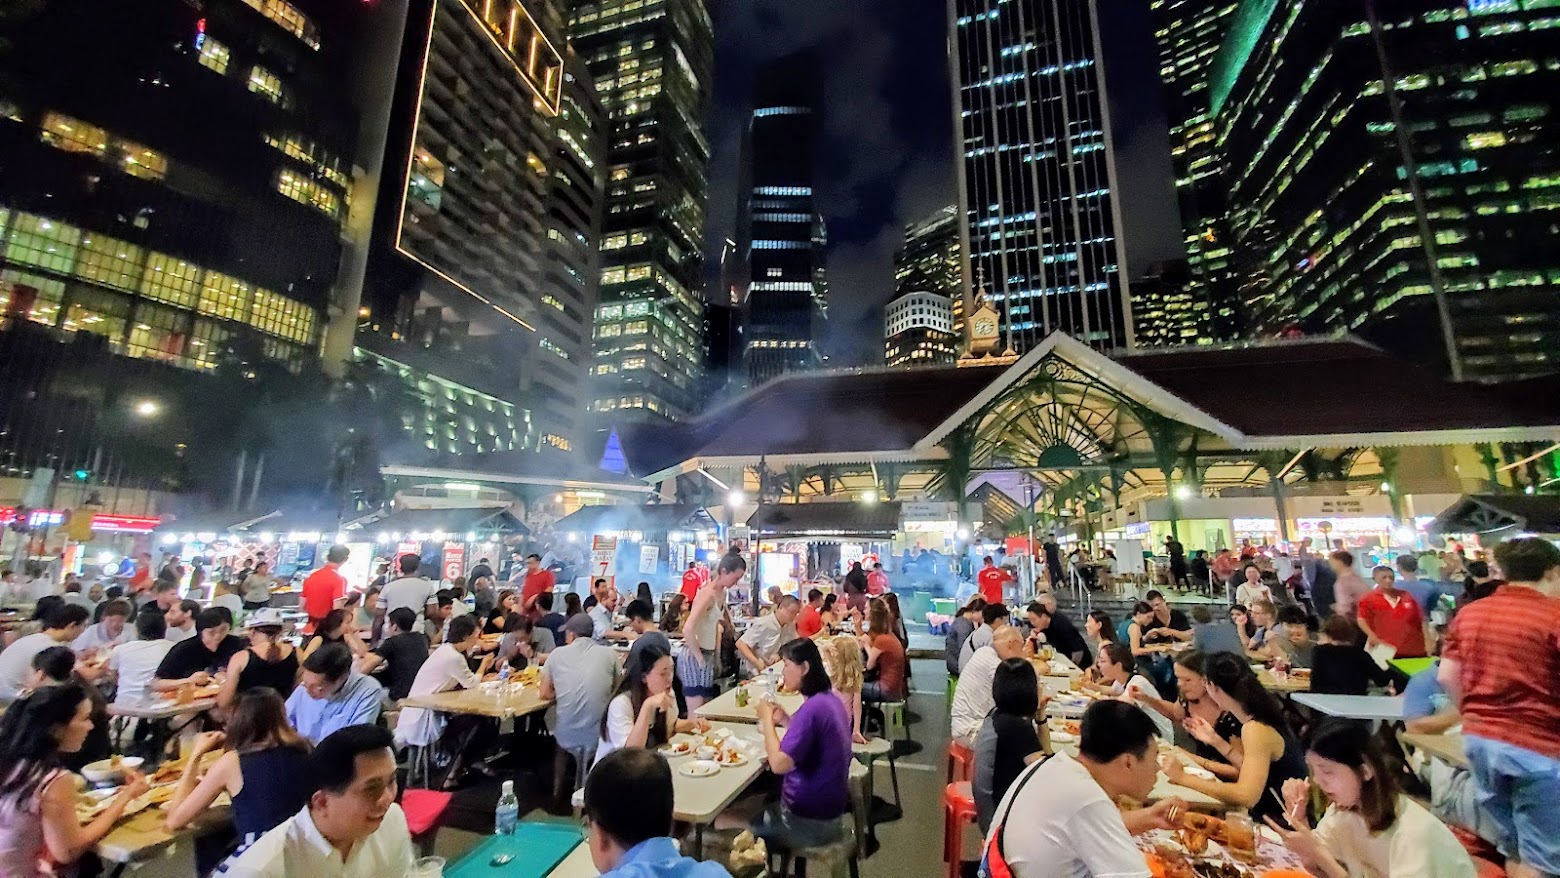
(814, 758)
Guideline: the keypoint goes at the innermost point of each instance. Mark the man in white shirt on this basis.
(972, 698)
(107, 634)
(181, 620)
(351, 827)
(600, 613)
(994, 616)
(445, 670)
(410, 590)
(136, 662)
(1062, 810)
(62, 624)
(760, 643)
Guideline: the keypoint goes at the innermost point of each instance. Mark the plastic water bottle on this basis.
(507, 815)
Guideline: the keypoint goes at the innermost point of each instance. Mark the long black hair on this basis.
(803, 650)
(1015, 689)
(1233, 676)
(1351, 744)
(633, 685)
(29, 749)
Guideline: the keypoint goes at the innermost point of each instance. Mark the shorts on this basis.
(1517, 791)
(698, 680)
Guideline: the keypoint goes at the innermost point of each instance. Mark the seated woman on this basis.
(498, 618)
(643, 712)
(1007, 740)
(1369, 828)
(1270, 754)
(1246, 628)
(338, 627)
(813, 760)
(1097, 631)
(265, 769)
(849, 677)
(1119, 678)
(1215, 732)
(38, 822)
(1132, 631)
(672, 616)
(57, 665)
(885, 655)
(269, 662)
(1340, 665)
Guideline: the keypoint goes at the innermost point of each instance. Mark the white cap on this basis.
(507, 788)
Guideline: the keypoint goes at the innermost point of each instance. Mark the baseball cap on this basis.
(264, 617)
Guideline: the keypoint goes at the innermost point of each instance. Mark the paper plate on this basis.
(699, 768)
(736, 758)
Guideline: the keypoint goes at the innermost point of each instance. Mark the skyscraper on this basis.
(1203, 309)
(489, 218)
(1320, 188)
(781, 232)
(918, 330)
(932, 260)
(1038, 182)
(652, 64)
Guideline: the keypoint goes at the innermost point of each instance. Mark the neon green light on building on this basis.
(1245, 32)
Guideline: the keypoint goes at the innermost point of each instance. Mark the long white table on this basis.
(724, 706)
(1387, 708)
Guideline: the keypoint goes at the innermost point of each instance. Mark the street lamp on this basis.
(869, 497)
(1386, 487)
(147, 408)
(1182, 492)
(735, 498)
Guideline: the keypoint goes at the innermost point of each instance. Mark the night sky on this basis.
(889, 133)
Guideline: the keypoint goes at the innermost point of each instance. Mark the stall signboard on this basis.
(287, 560)
(1137, 529)
(359, 568)
(406, 548)
(649, 557)
(603, 556)
(1255, 525)
(1368, 525)
(453, 567)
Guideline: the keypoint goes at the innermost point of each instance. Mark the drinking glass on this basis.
(426, 867)
(1242, 836)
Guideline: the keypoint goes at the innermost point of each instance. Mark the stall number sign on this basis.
(603, 556)
(454, 561)
(649, 556)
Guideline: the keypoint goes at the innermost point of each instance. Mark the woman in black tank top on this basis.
(269, 661)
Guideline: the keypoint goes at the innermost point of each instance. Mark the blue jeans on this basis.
(1519, 790)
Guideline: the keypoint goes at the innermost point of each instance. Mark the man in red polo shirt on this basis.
(991, 578)
(691, 581)
(1501, 667)
(325, 588)
(1390, 615)
(810, 622)
(537, 581)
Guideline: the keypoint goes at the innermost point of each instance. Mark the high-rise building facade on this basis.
(1203, 309)
(1041, 226)
(174, 180)
(652, 62)
(932, 260)
(918, 330)
(1319, 186)
(782, 233)
(484, 275)
(180, 186)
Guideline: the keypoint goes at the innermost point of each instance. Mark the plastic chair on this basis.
(958, 810)
(961, 762)
(424, 809)
(846, 847)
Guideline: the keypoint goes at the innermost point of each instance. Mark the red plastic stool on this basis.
(423, 809)
(961, 762)
(958, 809)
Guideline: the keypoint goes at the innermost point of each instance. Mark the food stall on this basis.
(798, 543)
(449, 541)
(636, 543)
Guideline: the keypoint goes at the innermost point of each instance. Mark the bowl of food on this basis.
(112, 769)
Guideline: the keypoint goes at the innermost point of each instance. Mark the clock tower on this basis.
(983, 336)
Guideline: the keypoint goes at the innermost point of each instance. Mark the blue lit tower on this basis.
(780, 229)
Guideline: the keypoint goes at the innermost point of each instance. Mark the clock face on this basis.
(985, 326)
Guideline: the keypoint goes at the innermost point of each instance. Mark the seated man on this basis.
(107, 634)
(351, 828)
(641, 621)
(196, 659)
(180, 620)
(994, 616)
(1211, 636)
(1454, 798)
(580, 676)
(332, 695)
(448, 669)
(396, 661)
(1294, 644)
(628, 809)
(1062, 810)
(972, 698)
(760, 644)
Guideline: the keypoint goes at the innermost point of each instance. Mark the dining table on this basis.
(491, 699)
(1383, 708)
(1447, 746)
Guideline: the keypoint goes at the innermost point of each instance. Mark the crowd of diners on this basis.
(1331, 788)
(294, 730)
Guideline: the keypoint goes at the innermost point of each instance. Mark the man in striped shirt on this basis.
(1501, 666)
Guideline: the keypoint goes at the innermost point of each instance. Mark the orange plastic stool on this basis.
(961, 762)
(958, 809)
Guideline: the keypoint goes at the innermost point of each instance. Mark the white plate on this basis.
(1063, 738)
(719, 734)
(738, 758)
(699, 768)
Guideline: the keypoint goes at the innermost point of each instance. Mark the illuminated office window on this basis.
(226, 297)
(214, 55)
(73, 135)
(265, 83)
(306, 191)
(289, 18)
(34, 240)
(171, 280)
(110, 261)
(138, 161)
